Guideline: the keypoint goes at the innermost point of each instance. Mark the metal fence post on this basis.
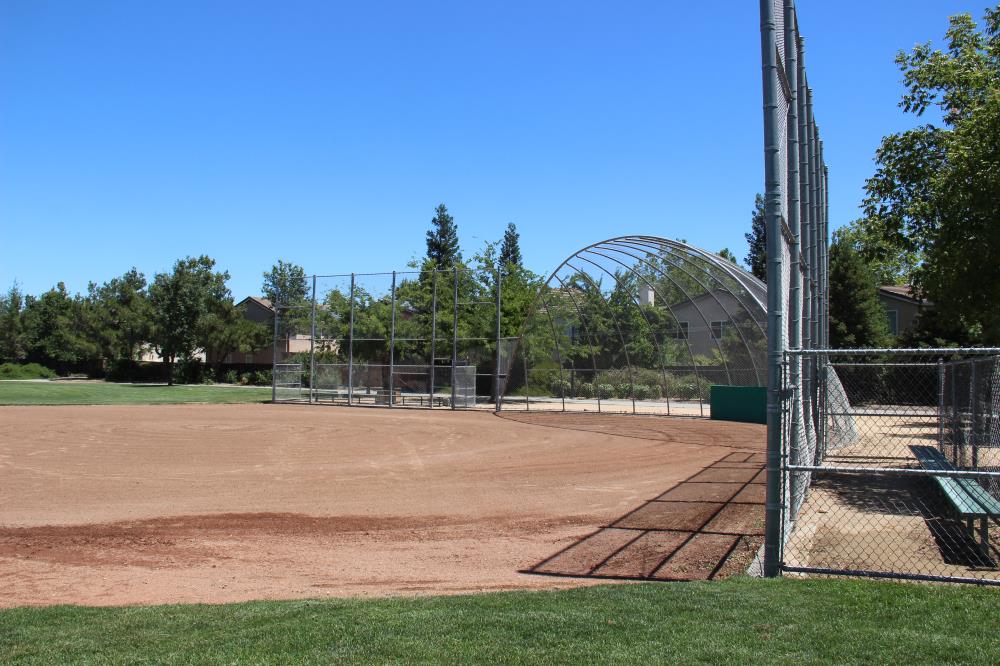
(392, 342)
(350, 350)
(973, 411)
(434, 301)
(454, 337)
(312, 346)
(274, 358)
(496, 371)
(941, 405)
(775, 319)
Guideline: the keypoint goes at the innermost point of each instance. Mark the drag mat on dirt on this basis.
(709, 526)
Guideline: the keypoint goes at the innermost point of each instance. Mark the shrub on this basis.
(232, 377)
(560, 388)
(25, 371)
(585, 390)
(641, 392)
(261, 378)
(623, 390)
(605, 391)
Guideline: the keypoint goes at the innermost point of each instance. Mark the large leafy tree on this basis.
(53, 335)
(285, 284)
(757, 241)
(932, 208)
(442, 239)
(857, 318)
(183, 302)
(119, 315)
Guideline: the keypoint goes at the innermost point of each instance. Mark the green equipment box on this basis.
(746, 404)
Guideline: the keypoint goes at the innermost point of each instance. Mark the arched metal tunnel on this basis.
(639, 324)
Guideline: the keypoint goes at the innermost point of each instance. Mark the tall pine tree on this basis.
(442, 239)
(510, 249)
(757, 240)
(857, 318)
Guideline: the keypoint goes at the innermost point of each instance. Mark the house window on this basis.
(893, 316)
(681, 332)
(718, 329)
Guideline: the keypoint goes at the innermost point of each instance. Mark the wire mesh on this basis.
(905, 482)
(639, 324)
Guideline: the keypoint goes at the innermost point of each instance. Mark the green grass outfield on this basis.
(741, 620)
(101, 393)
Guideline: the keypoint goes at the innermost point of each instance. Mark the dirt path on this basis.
(218, 503)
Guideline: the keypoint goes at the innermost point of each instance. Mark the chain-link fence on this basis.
(430, 338)
(904, 478)
(795, 212)
(639, 325)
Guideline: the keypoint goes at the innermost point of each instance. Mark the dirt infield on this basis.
(217, 503)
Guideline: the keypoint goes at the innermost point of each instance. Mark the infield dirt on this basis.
(107, 505)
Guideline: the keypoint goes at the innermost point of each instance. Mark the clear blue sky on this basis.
(325, 133)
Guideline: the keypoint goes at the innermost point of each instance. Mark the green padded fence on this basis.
(746, 404)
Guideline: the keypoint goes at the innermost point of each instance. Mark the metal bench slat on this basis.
(967, 496)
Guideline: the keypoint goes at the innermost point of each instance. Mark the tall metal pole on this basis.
(775, 316)
(792, 65)
(312, 346)
(496, 371)
(454, 338)
(434, 308)
(392, 343)
(274, 357)
(350, 351)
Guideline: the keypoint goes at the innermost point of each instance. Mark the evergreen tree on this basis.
(442, 239)
(757, 240)
(510, 249)
(11, 334)
(857, 318)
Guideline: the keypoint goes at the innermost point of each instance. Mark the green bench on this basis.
(970, 499)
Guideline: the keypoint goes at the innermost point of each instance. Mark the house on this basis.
(902, 307)
(261, 311)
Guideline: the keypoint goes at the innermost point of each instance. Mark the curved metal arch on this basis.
(738, 295)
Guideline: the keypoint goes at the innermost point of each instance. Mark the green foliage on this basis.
(53, 333)
(231, 377)
(286, 284)
(11, 328)
(857, 318)
(25, 371)
(727, 254)
(931, 209)
(185, 302)
(757, 241)
(118, 315)
(510, 249)
(129, 370)
(442, 240)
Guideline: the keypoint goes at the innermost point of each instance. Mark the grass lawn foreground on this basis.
(103, 393)
(741, 620)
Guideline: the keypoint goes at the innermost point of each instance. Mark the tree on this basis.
(11, 329)
(726, 253)
(182, 301)
(120, 316)
(285, 284)
(510, 248)
(53, 333)
(857, 318)
(931, 209)
(757, 241)
(442, 239)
